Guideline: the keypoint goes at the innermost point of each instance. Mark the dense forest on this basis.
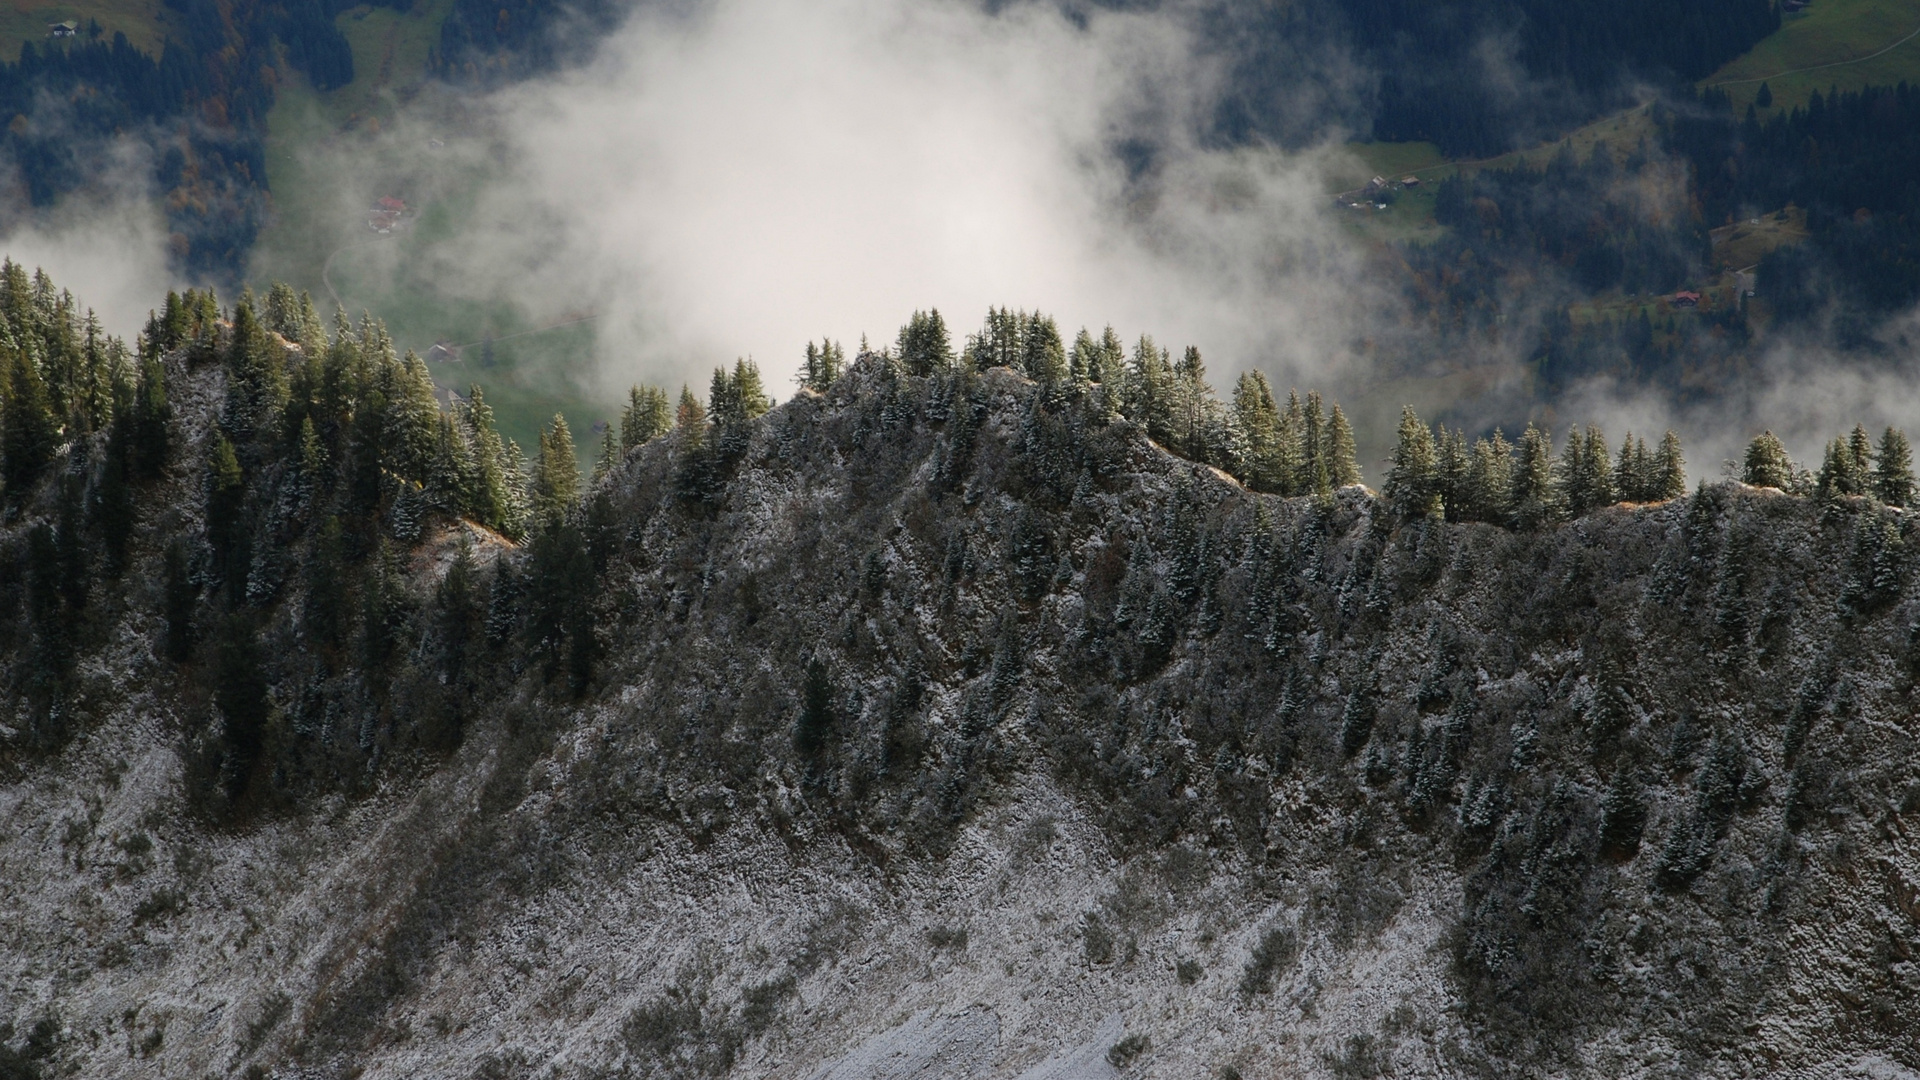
(1476, 77)
(1852, 161)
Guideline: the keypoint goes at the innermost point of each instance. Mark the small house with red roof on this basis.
(1684, 298)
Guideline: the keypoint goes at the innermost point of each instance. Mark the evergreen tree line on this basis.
(712, 436)
(1435, 473)
(1298, 450)
(1850, 466)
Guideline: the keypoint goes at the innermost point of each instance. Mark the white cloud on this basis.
(760, 172)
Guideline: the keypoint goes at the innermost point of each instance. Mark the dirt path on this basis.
(326, 269)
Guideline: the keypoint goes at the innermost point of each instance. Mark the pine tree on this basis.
(1259, 420)
(748, 391)
(1343, 460)
(1413, 481)
(1109, 367)
(924, 346)
(1453, 466)
(1290, 464)
(240, 694)
(1314, 476)
(690, 418)
(1534, 499)
(823, 366)
(1630, 471)
(1150, 391)
(1893, 469)
(1042, 357)
(256, 380)
(28, 433)
(1669, 469)
(556, 476)
(1489, 480)
(648, 416)
(1767, 464)
(1586, 473)
(1082, 357)
(282, 311)
(609, 454)
(324, 613)
(493, 498)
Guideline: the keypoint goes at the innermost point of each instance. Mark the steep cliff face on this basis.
(941, 727)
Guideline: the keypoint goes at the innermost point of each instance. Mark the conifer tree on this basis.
(324, 613)
(256, 381)
(1259, 420)
(1893, 469)
(1150, 391)
(1082, 357)
(1412, 488)
(1534, 500)
(609, 454)
(1042, 357)
(823, 366)
(748, 391)
(282, 311)
(1314, 476)
(240, 694)
(1767, 463)
(1109, 367)
(1860, 460)
(648, 416)
(1489, 487)
(28, 433)
(414, 425)
(1453, 466)
(492, 499)
(690, 418)
(1669, 469)
(1290, 465)
(110, 506)
(556, 477)
(924, 345)
(1630, 471)
(1343, 460)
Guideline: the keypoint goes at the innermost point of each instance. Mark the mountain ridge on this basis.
(950, 716)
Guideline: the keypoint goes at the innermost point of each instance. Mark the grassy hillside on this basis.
(1844, 43)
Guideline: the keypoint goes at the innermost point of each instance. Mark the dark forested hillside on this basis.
(822, 739)
(200, 108)
(1479, 77)
(1852, 161)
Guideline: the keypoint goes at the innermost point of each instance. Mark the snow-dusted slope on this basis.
(1115, 769)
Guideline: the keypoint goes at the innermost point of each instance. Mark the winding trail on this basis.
(326, 269)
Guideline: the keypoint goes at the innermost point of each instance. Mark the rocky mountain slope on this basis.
(944, 727)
